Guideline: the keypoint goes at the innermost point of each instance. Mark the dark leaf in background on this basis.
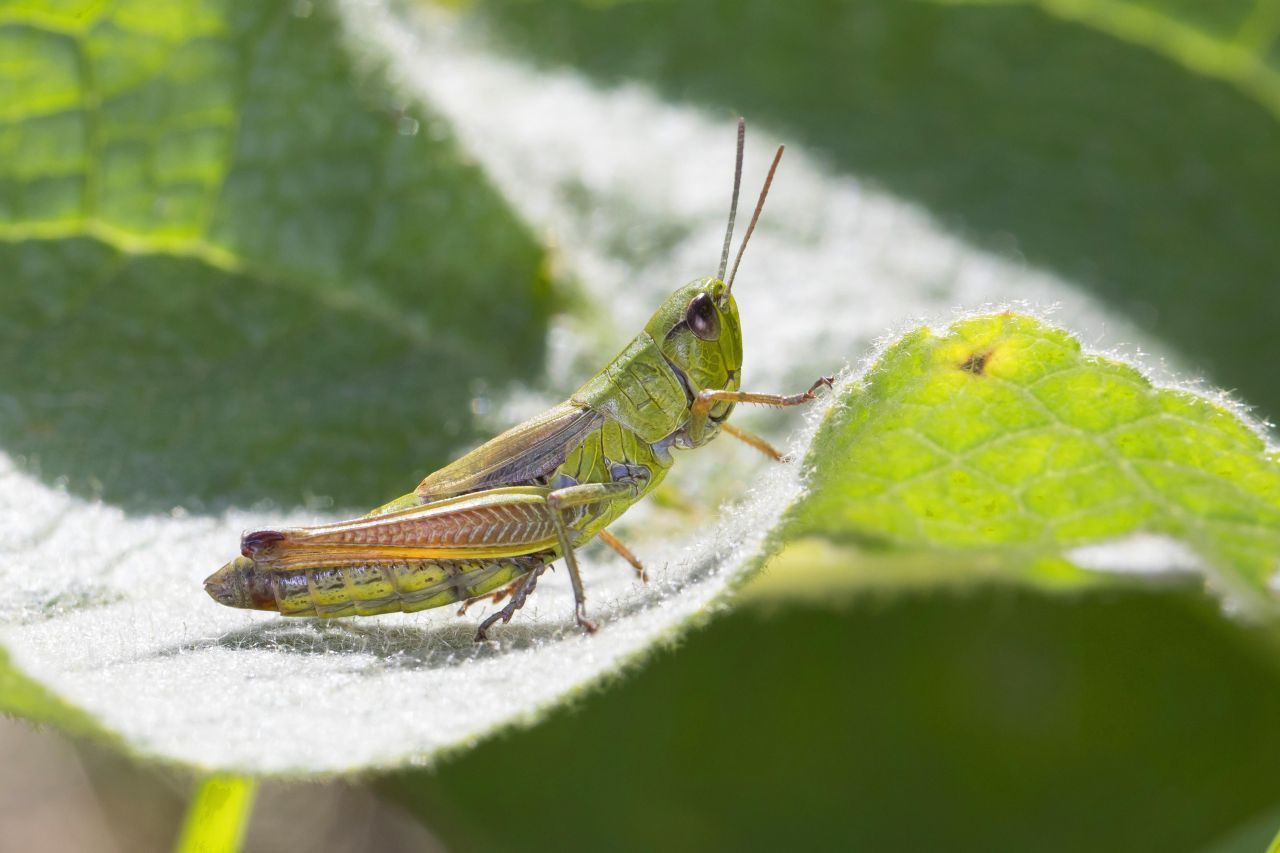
(236, 270)
(1001, 721)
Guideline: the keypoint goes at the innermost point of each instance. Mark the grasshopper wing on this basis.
(519, 456)
(493, 523)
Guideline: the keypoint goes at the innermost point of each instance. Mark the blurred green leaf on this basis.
(25, 697)
(1003, 720)
(1118, 162)
(236, 264)
(1000, 434)
(1256, 833)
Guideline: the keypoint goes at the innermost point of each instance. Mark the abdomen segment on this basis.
(364, 589)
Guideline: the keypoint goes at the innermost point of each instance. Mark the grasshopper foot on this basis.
(827, 382)
(580, 615)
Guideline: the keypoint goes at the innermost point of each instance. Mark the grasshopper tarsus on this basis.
(827, 382)
(504, 615)
(580, 616)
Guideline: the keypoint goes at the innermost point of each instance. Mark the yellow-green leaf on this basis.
(1000, 435)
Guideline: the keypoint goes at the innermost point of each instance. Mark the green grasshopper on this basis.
(489, 524)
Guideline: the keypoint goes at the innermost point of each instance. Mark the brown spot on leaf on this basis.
(976, 364)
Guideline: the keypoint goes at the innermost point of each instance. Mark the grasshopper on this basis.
(489, 524)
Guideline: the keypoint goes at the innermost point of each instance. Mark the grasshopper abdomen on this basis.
(365, 589)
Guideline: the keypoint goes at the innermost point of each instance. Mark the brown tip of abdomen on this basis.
(240, 584)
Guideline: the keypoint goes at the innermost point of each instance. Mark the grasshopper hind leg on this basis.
(559, 503)
(523, 587)
(495, 596)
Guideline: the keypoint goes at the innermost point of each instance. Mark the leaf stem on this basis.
(218, 814)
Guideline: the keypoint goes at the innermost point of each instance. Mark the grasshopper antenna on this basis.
(733, 205)
(755, 217)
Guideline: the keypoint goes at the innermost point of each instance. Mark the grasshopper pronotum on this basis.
(488, 524)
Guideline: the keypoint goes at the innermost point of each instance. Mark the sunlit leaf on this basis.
(1001, 434)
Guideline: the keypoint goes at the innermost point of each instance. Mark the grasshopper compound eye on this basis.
(702, 317)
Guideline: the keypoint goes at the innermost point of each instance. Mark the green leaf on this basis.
(23, 696)
(1257, 833)
(237, 264)
(1001, 435)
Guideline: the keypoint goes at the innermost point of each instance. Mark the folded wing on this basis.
(520, 455)
(502, 522)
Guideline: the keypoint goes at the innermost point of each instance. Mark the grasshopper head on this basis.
(697, 327)
(698, 331)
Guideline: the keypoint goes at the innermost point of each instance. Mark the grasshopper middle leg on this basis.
(625, 553)
(752, 440)
(559, 503)
(496, 596)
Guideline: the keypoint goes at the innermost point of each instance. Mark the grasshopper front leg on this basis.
(708, 397)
